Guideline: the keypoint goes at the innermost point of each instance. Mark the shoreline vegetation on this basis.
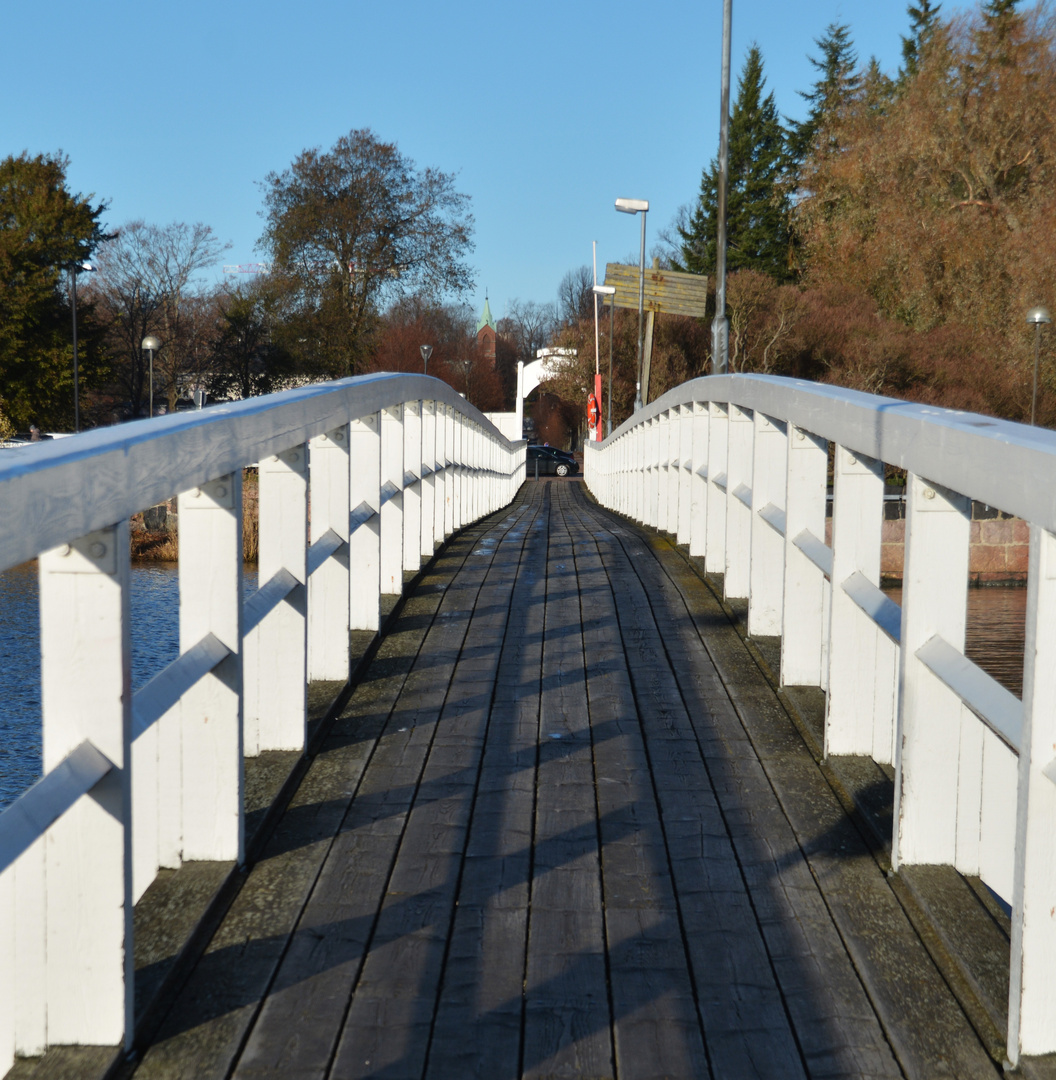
(154, 532)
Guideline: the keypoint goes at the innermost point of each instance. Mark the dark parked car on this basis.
(552, 462)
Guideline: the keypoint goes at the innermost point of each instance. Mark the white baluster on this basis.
(392, 506)
(211, 712)
(428, 530)
(718, 456)
(274, 670)
(87, 917)
(767, 579)
(933, 769)
(1032, 984)
(698, 483)
(329, 588)
(805, 618)
(412, 492)
(364, 544)
(737, 581)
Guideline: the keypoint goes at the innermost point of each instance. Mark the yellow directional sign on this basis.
(667, 291)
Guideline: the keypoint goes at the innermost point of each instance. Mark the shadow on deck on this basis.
(566, 827)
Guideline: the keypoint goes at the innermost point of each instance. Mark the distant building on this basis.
(487, 334)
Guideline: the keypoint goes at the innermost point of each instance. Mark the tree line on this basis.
(362, 251)
(894, 238)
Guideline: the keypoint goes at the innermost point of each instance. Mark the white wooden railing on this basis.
(390, 464)
(737, 467)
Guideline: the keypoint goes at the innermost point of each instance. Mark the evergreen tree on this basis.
(999, 17)
(838, 84)
(757, 208)
(45, 230)
(922, 21)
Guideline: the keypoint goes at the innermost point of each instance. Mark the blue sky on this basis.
(546, 111)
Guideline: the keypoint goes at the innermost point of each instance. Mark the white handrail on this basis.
(969, 757)
(403, 454)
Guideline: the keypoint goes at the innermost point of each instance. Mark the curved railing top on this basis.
(1000, 463)
(68, 487)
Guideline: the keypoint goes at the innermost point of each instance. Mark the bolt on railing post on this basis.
(805, 619)
(935, 767)
(329, 586)
(73, 934)
(364, 545)
(210, 570)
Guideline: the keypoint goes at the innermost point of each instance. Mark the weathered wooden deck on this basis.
(566, 828)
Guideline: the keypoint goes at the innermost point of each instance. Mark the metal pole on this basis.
(150, 353)
(612, 316)
(76, 374)
(1037, 349)
(641, 310)
(720, 333)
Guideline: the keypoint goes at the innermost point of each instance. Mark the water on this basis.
(996, 631)
(994, 641)
(154, 606)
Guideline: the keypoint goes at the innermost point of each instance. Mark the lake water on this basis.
(994, 641)
(154, 604)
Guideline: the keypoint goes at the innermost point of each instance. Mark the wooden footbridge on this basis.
(569, 819)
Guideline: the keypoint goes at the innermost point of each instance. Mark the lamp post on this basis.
(426, 351)
(610, 292)
(151, 344)
(75, 269)
(1037, 316)
(638, 206)
(720, 328)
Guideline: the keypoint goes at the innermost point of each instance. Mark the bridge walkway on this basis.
(565, 828)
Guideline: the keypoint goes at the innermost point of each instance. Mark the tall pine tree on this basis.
(757, 207)
(837, 85)
(922, 21)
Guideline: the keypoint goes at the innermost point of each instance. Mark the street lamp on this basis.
(75, 269)
(426, 351)
(636, 206)
(610, 292)
(1037, 316)
(720, 328)
(151, 344)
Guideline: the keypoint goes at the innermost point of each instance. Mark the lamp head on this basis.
(632, 206)
(426, 351)
(151, 343)
(604, 290)
(1038, 315)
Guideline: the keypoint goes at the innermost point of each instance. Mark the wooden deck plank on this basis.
(552, 836)
(567, 1023)
(854, 924)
